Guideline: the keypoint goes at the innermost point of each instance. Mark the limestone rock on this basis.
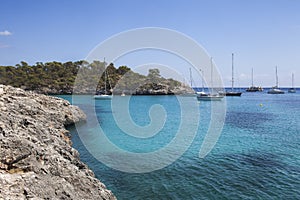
(36, 157)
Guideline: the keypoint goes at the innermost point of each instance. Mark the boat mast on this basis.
(292, 80)
(232, 74)
(202, 80)
(252, 78)
(276, 78)
(104, 77)
(191, 78)
(211, 74)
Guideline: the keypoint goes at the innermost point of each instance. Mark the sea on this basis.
(256, 153)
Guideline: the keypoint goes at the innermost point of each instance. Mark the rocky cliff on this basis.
(36, 157)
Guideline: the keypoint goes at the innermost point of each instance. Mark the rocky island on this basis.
(36, 157)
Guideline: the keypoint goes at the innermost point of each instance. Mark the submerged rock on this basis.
(36, 157)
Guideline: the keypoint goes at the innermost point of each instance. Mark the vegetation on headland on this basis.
(59, 78)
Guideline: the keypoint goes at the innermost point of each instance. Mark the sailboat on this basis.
(104, 96)
(292, 89)
(190, 93)
(275, 89)
(254, 88)
(202, 96)
(232, 92)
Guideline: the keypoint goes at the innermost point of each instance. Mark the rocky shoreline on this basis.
(147, 89)
(36, 157)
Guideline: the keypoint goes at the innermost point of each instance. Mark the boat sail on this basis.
(253, 88)
(232, 92)
(104, 96)
(275, 89)
(202, 96)
(292, 89)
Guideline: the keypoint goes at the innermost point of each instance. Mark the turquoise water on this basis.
(256, 157)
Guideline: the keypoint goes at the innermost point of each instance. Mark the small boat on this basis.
(232, 92)
(202, 96)
(104, 96)
(253, 88)
(292, 89)
(275, 89)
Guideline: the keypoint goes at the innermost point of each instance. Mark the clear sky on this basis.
(262, 33)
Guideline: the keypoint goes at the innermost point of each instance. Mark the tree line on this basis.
(59, 78)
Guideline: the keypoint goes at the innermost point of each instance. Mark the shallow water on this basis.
(256, 157)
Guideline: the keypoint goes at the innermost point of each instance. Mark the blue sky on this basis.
(262, 33)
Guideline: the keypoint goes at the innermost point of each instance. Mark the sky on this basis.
(262, 34)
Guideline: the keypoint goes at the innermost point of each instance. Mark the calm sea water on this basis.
(256, 157)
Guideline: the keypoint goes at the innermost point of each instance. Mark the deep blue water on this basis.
(256, 157)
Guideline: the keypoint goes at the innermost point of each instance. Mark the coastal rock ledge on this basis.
(36, 157)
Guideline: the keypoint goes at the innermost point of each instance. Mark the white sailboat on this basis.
(292, 89)
(275, 89)
(202, 96)
(104, 96)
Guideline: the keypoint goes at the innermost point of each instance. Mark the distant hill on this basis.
(59, 78)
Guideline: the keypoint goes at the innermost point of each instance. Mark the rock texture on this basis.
(162, 89)
(36, 157)
(151, 88)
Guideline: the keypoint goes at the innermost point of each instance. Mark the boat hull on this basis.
(235, 94)
(103, 97)
(292, 90)
(275, 91)
(202, 96)
(210, 98)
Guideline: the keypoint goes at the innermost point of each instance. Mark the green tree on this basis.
(123, 70)
(154, 75)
